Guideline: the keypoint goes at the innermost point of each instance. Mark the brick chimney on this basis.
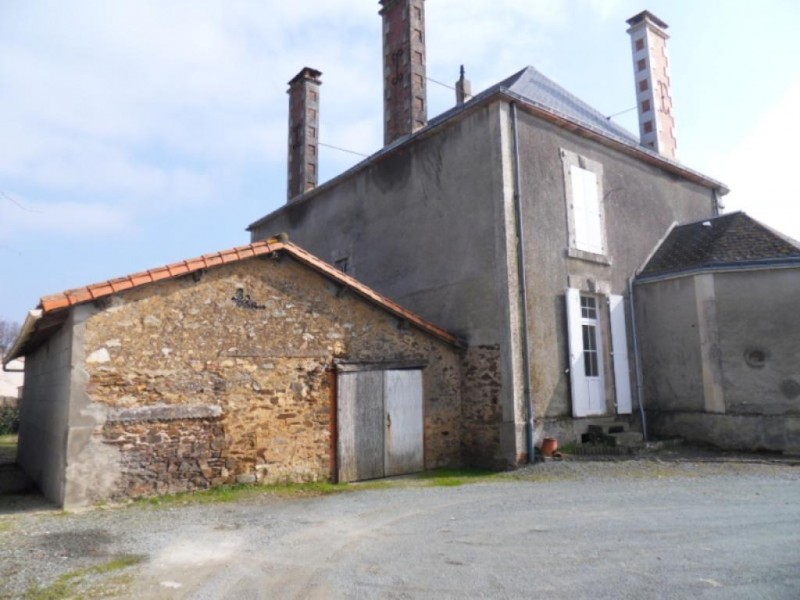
(404, 85)
(653, 85)
(303, 132)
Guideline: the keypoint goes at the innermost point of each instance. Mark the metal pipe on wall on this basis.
(529, 427)
(637, 360)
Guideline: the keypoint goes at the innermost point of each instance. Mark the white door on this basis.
(586, 355)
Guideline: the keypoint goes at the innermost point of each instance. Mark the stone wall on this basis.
(481, 407)
(230, 376)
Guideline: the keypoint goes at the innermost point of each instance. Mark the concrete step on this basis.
(624, 438)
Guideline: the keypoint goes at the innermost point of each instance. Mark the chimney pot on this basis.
(463, 88)
(653, 85)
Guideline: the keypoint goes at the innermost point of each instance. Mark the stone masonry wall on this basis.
(481, 409)
(230, 377)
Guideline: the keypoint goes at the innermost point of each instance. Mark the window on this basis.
(585, 210)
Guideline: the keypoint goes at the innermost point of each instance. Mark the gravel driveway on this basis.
(620, 529)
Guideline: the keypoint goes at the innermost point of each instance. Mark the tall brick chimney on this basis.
(404, 85)
(303, 132)
(653, 85)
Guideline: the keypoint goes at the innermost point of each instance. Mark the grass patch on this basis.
(69, 584)
(449, 477)
(8, 448)
(243, 491)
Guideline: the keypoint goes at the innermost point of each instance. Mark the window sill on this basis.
(599, 259)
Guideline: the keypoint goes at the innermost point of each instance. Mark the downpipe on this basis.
(528, 391)
(637, 361)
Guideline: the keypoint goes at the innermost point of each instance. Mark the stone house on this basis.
(256, 364)
(720, 350)
(516, 220)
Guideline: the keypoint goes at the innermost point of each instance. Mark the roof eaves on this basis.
(586, 130)
(90, 293)
(745, 265)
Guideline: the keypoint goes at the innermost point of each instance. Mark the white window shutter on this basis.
(577, 377)
(586, 210)
(619, 342)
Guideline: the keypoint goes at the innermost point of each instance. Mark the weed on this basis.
(68, 584)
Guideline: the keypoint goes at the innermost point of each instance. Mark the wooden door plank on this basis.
(404, 419)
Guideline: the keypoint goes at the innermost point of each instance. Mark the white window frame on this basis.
(583, 185)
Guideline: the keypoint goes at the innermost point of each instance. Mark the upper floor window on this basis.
(586, 214)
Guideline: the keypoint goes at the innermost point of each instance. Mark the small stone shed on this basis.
(257, 364)
(720, 338)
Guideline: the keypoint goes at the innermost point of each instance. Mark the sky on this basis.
(134, 133)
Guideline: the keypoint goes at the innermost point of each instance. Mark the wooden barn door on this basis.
(379, 423)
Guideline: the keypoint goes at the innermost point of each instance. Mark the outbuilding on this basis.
(716, 307)
(256, 364)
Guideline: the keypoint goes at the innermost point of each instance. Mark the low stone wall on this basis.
(169, 457)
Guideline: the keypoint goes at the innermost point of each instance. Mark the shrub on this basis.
(9, 420)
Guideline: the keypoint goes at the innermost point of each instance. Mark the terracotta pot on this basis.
(549, 446)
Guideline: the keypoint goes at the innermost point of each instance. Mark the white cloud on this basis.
(760, 169)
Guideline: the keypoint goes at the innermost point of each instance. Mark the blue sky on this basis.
(136, 133)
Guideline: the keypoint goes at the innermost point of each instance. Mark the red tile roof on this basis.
(92, 292)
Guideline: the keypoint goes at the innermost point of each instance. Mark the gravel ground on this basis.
(678, 525)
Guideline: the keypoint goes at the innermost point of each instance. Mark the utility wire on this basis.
(17, 204)
(343, 149)
(622, 112)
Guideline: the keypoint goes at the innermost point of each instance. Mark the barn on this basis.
(256, 364)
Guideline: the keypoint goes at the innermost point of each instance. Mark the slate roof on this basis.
(50, 313)
(734, 240)
(530, 85)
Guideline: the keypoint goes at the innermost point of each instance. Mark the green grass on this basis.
(69, 585)
(8, 448)
(449, 477)
(446, 477)
(242, 491)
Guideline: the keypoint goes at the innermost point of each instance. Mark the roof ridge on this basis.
(91, 292)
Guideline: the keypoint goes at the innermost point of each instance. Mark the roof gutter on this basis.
(28, 328)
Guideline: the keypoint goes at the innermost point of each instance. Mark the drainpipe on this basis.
(523, 291)
(637, 361)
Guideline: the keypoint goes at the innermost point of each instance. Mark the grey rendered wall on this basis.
(420, 224)
(757, 400)
(44, 413)
(669, 343)
(757, 311)
(641, 202)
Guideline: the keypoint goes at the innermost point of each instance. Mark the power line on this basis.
(448, 86)
(343, 149)
(17, 204)
(622, 112)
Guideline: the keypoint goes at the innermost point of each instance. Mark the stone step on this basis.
(624, 438)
